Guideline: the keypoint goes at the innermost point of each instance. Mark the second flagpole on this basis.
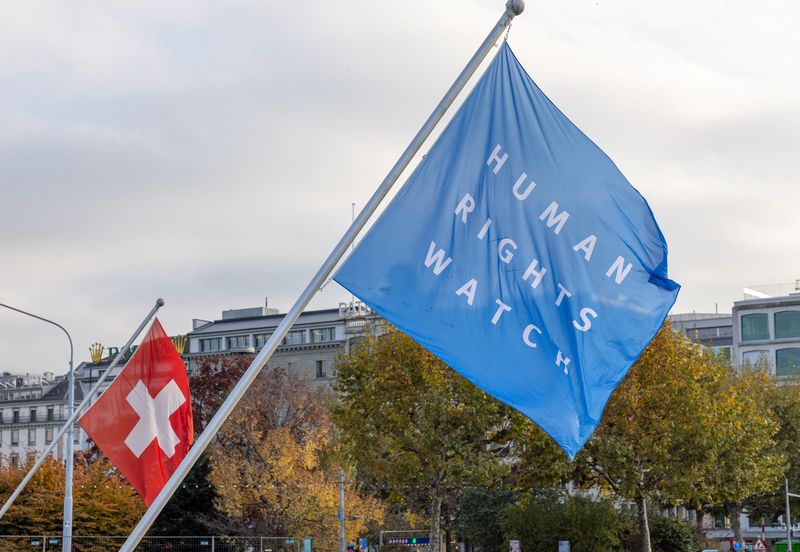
(513, 8)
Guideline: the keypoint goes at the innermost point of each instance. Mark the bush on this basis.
(589, 525)
(671, 535)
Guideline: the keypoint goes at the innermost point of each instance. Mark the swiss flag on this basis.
(143, 421)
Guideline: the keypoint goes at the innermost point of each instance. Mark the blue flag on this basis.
(520, 255)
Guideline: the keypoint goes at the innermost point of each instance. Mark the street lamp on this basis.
(66, 544)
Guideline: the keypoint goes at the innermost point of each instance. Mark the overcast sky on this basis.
(209, 152)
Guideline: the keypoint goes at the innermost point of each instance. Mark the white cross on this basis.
(154, 418)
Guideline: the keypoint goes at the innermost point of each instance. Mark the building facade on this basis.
(712, 330)
(31, 413)
(766, 330)
(308, 352)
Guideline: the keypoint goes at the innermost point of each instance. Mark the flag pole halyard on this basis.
(77, 412)
(513, 8)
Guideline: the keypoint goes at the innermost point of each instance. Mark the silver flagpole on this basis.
(86, 400)
(513, 8)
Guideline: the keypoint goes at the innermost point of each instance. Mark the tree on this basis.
(677, 429)
(268, 466)
(417, 432)
(745, 459)
(105, 504)
(783, 401)
(192, 504)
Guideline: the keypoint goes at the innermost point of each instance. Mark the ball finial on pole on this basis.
(516, 6)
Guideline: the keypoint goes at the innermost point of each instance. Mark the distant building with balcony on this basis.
(712, 330)
(32, 410)
(308, 352)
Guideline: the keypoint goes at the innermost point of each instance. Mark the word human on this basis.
(553, 218)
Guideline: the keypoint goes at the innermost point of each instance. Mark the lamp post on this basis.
(66, 544)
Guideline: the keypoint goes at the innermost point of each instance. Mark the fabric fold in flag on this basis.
(143, 421)
(520, 255)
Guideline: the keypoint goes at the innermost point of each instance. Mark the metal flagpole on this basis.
(788, 514)
(513, 8)
(74, 416)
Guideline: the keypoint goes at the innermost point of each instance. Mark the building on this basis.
(32, 411)
(308, 352)
(766, 329)
(711, 330)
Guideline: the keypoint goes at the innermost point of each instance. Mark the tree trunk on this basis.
(734, 512)
(644, 527)
(436, 523)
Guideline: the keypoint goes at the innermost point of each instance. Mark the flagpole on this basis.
(86, 400)
(513, 8)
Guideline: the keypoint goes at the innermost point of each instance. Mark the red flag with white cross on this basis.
(143, 421)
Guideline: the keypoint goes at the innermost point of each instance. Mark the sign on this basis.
(519, 254)
(410, 541)
(759, 546)
(738, 546)
(563, 546)
(513, 546)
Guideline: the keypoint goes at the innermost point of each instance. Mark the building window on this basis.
(210, 345)
(14, 460)
(76, 435)
(323, 335)
(31, 437)
(33, 414)
(14, 436)
(321, 369)
(752, 359)
(755, 327)
(723, 352)
(261, 339)
(705, 333)
(239, 342)
(50, 414)
(48, 435)
(296, 337)
(787, 324)
(15, 416)
(787, 362)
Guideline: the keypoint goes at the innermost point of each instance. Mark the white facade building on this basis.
(767, 330)
(308, 352)
(31, 413)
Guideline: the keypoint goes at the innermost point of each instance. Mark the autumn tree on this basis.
(680, 427)
(104, 503)
(782, 399)
(192, 505)
(268, 466)
(418, 432)
(745, 461)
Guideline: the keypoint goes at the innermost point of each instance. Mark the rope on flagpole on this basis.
(513, 8)
(77, 412)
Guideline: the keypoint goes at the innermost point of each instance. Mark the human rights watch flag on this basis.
(143, 421)
(520, 255)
